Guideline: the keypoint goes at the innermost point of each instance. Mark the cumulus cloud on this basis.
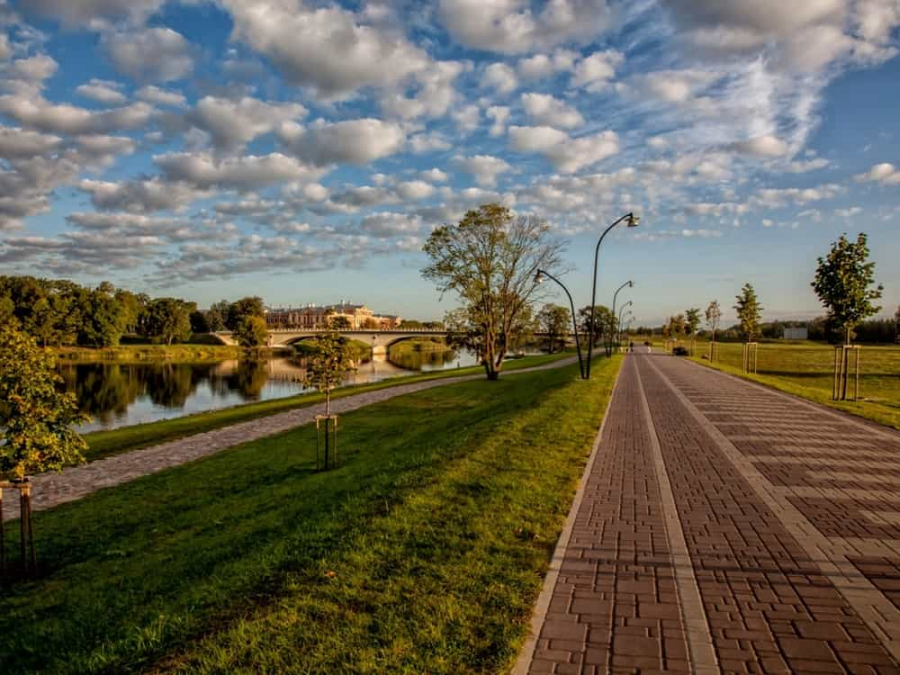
(21, 143)
(389, 224)
(762, 146)
(247, 172)
(233, 123)
(434, 94)
(104, 91)
(429, 142)
(884, 173)
(501, 77)
(150, 54)
(434, 175)
(510, 26)
(549, 111)
(165, 97)
(595, 71)
(541, 66)
(141, 196)
(567, 154)
(304, 42)
(499, 114)
(484, 168)
(64, 118)
(349, 142)
(95, 13)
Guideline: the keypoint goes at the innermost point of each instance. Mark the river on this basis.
(122, 394)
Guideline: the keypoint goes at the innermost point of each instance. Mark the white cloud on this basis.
(501, 77)
(95, 13)
(541, 66)
(484, 168)
(154, 94)
(349, 142)
(594, 72)
(499, 114)
(150, 54)
(802, 166)
(141, 196)
(104, 145)
(36, 112)
(428, 142)
(21, 143)
(390, 224)
(567, 154)
(33, 69)
(884, 173)
(248, 172)
(467, 118)
(434, 175)
(304, 42)
(435, 93)
(762, 146)
(676, 86)
(510, 26)
(415, 190)
(103, 91)
(549, 111)
(5, 49)
(233, 123)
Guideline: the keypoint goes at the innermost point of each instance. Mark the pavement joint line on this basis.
(699, 635)
(874, 608)
(847, 494)
(542, 605)
(883, 517)
(826, 461)
(873, 427)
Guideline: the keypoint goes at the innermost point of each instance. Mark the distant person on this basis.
(631, 346)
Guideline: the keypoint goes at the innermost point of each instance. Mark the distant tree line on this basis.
(59, 312)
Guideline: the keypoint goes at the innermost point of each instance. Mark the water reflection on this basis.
(116, 394)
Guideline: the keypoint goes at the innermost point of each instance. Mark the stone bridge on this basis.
(378, 340)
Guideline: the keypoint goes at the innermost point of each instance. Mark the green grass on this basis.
(115, 441)
(805, 369)
(422, 552)
(138, 353)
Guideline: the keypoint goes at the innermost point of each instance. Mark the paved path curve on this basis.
(725, 527)
(52, 489)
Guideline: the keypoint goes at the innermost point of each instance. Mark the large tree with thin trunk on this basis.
(844, 283)
(490, 260)
(749, 312)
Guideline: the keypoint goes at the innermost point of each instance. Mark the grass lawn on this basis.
(115, 441)
(805, 369)
(423, 552)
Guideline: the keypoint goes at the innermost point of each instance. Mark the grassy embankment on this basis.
(806, 369)
(422, 552)
(105, 443)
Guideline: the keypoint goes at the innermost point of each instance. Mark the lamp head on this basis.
(630, 284)
(633, 220)
(539, 277)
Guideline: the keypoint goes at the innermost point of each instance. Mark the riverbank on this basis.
(443, 498)
(124, 439)
(178, 352)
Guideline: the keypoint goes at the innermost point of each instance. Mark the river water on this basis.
(119, 394)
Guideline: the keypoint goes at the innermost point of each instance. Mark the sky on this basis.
(303, 151)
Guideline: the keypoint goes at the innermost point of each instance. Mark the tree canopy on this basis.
(844, 283)
(490, 260)
(749, 312)
(328, 365)
(713, 317)
(36, 418)
(554, 320)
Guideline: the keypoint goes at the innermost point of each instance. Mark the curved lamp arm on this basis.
(539, 277)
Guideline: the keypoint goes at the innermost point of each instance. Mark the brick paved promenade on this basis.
(724, 527)
(52, 489)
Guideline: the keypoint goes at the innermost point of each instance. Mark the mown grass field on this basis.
(423, 552)
(806, 369)
(124, 439)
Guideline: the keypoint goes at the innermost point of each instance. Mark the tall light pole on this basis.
(632, 221)
(609, 342)
(539, 278)
(619, 324)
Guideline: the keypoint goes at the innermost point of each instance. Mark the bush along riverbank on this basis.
(177, 352)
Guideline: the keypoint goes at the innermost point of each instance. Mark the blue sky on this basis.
(302, 151)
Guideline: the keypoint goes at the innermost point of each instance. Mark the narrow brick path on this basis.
(52, 489)
(724, 527)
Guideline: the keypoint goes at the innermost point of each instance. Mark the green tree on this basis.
(713, 317)
(328, 365)
(339, 323)
(102, 318)
(217, 315)
(554, 320)
(252, 332)
(169, 319)
(692, 321)
(843, 282)
(132, 306)
(749, 312)
(249, 306)
(36, 419)
(490, 260)
(7, 311)
(411, 324)
(605, 322)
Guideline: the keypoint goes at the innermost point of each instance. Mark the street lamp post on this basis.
(609, 342)
(539, 277)
(619, 324)
(632, 221)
